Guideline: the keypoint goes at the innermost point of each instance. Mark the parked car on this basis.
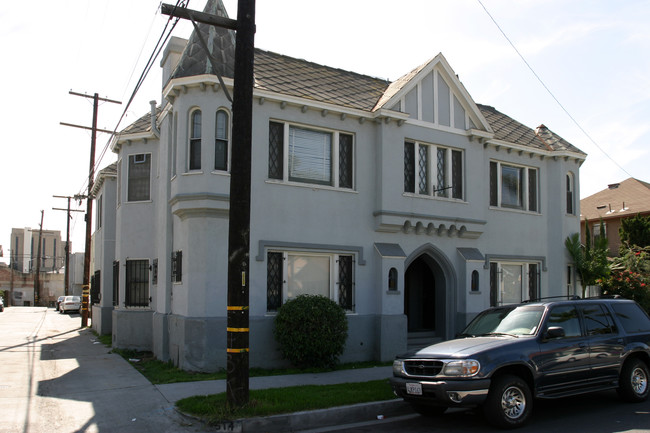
(58, 302)
(509, 355)
(70, 303)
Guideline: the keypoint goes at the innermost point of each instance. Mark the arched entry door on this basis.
(426, 283)
(420, 297)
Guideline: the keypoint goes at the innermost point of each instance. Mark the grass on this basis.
(158, 372)
(213, 408)
(265, 402)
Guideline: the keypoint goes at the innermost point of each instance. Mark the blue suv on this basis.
(509, 355)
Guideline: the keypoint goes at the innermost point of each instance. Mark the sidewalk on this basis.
(300, 421)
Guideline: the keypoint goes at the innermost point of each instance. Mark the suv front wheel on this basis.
(509, 402)
(633, 385)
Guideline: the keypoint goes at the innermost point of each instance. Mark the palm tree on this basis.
(590, 262)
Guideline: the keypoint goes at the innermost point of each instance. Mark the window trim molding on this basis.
(432, 170)
(525, 187)
(505, 258)
(228, 141)
(190, 137)
(308, 248)
(334, 158)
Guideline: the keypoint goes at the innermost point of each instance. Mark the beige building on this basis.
(24, 250)
(613, 204)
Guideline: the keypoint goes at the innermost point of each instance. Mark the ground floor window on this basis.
(137, 283)
(513, 282)
(291, 274)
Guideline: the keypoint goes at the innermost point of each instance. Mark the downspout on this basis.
(154, 128)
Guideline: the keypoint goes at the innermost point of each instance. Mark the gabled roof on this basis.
(623, 199)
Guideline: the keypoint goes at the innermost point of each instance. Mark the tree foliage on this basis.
(630, 276)
(635, 231)
(590, 261)
(311, 331)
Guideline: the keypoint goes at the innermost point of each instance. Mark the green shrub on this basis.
(311, 331)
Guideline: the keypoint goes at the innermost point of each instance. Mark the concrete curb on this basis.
(323, 417)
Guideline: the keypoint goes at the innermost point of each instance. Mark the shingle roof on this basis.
(296, 77)
(508, 129)
(626, 198)
(220, 41)
(143, 124)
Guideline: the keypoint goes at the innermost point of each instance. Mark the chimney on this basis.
(171, 57)
(154, 128)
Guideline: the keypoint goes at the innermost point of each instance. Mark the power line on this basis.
(549, 91)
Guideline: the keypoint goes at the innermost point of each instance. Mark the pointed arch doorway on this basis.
(428, 282)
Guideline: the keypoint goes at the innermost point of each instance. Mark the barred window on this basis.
(177, 266)
(137, 283)
(116, 283)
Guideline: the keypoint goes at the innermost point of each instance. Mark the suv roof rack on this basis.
(546, 298)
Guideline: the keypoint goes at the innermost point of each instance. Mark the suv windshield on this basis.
(523, 320)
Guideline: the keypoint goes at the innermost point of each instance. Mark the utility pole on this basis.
(89, 201)
(37, 280)
(237, 347)
(66, 283)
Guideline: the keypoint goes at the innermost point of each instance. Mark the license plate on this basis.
(414, 388)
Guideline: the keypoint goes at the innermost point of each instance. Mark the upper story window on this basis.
(139, 177)
(195, 141)
(570, 187)
(433, 170)
(221, 140)
(313, 156)
(514, 186)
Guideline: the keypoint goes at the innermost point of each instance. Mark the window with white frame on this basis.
(570, 187)
(513, 282)
(433, 170)
(310, 155)
(292, 273)
(514, 186)
(139, 177)
(221, 140)
(194, 155)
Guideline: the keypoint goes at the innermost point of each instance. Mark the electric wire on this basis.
(549, 91)
(155, 52)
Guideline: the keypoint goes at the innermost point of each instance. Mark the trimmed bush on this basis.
(311, 331)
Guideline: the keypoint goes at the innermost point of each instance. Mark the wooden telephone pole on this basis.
(89, 201)
(237, 346)
(66, 283)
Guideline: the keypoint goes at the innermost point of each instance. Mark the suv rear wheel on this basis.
(509, 402)
(633, 384)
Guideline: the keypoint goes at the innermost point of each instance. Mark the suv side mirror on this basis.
(554, 332)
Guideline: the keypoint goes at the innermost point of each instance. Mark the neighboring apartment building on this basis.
(24, 250)
(612, 205)
(407, 203)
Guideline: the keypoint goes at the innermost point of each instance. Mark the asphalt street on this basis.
(55, 377)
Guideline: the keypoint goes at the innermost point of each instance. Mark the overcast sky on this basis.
(591, 54)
